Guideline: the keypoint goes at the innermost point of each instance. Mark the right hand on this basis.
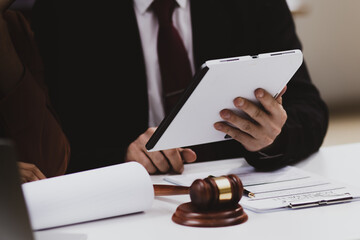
(4, 5)
(162, 161)
(29, 172)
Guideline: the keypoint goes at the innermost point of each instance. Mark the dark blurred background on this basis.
(24, 6)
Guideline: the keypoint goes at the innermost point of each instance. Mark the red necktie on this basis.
(173, 59)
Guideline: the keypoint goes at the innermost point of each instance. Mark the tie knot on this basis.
(164, 10)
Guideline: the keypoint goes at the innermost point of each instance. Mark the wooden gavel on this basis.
(208, 193)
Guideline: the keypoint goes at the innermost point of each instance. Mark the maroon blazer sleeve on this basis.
(26, 115)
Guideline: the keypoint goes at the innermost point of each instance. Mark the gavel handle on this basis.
(168, 190)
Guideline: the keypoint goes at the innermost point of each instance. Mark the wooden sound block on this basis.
(187, 214)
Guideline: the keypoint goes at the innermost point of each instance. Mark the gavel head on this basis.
(216, 192)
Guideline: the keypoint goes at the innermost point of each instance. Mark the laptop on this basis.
(14, 219)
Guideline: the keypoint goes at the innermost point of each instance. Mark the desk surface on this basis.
(341, 163)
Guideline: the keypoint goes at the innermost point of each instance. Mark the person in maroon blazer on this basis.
(99, 76)
(26, 115)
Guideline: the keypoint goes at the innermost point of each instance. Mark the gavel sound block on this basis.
(214, 202)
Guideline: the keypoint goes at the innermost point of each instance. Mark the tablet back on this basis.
(214, 88)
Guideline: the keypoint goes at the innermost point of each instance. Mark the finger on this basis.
(247, 141)
(252, 110)
(38, 173)
(159, 161)
(143, 159)
(35, 171)
(174, 157)
(269, 103)
(157, 158)
(28, 175)
(243, 124)
(279, 97)
(188, 155)
(31, 167)
(282, 92)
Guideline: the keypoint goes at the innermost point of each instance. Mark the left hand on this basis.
(158, 161)
(29, 172)
(267, 124)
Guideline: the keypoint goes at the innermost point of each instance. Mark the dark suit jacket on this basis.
(97, 81)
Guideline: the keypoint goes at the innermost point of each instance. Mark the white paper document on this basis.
(90, 195)
(286, 188)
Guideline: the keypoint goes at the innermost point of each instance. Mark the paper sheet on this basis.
(90, 195)
(279, 189)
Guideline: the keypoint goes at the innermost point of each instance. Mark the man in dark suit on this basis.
(99, 72)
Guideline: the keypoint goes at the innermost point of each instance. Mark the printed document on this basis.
(286, 188)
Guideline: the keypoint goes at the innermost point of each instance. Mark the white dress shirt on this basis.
(148, 28)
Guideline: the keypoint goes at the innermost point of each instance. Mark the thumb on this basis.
(188, 155)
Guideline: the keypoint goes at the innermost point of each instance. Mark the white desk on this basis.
(342, 221)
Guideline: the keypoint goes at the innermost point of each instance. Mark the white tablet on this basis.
(214, 87)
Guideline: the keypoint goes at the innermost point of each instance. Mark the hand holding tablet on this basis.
(162, 161)
(216, 88)
(265, 122)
